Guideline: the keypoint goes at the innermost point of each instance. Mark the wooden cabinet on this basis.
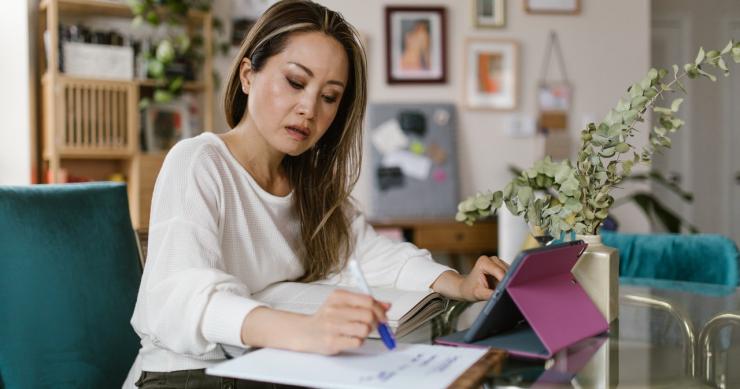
(447, 235)
(91, 127)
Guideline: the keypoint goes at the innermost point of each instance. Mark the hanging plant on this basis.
(176, 57)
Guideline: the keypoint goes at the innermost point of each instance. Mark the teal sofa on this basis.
(69, 276)
(698, 258)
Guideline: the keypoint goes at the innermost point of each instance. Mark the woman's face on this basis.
(294, 98)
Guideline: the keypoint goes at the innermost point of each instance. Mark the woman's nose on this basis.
(307, 107)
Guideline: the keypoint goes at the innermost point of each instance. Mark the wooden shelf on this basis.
(90, 127)
(195, 86)
(96, 153)
(103, 8)
(188, 85)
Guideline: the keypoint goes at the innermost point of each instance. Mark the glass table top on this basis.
(668, 334)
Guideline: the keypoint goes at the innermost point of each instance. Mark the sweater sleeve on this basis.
(386, 263)
(188, 302)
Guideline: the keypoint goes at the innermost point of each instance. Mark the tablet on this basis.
(500, 312)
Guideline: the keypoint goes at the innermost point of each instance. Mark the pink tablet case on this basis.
(554, 305)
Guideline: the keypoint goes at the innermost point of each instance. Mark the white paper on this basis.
(389, 137)
(370, 366)
(412, 165)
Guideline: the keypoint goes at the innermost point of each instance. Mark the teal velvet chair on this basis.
(701, 258)
(69, 276)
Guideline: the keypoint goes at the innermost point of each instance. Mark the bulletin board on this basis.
(413, 160)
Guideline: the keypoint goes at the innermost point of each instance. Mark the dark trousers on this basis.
(192, 379)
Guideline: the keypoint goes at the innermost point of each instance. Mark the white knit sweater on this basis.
(215, 238)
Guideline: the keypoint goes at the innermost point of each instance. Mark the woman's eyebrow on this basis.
(310, 73)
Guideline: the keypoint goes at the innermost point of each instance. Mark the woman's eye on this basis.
(294, 84)
(329, 99)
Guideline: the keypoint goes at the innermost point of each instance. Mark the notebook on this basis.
(537, 309)
(409, 309)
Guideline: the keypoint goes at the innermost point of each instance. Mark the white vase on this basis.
(598, 273)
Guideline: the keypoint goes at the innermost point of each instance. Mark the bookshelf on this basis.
(91, 127)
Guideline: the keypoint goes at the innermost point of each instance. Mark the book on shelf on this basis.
(409, 309)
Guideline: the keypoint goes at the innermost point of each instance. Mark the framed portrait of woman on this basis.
(491, 76)
(415, 44)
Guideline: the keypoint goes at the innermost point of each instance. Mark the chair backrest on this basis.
(69, 277)
(705, 258)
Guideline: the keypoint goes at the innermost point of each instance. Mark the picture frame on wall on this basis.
(489, 13)
(491, 71)
(567, 7)
(415, 45)
(165, 125)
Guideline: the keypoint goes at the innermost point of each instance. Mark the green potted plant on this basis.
(166, 60)
(577, 195)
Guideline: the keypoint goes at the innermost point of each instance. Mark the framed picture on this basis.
(553, 6)
(489, 13)
(415, 44)
(554, 96)
(491, 74)
(244, 13)
(165, 124)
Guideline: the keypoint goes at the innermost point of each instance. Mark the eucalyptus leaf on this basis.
(653, 74)
(497, 199)
(622, 148)
(507, 191)
(622, 106)
(482, 202)
(727, 48)
(608, 152)
(627, 167)
(710, 76)
(629, 116)
(525, 194)
(666, 111)
(562, 174)
(639, 102)
(723, 65)
(699, 56)
(676, 104)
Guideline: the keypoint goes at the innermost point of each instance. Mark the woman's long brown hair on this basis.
(322, 178)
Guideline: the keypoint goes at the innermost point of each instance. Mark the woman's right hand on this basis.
(342, 322)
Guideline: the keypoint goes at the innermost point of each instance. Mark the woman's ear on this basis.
(245, 74)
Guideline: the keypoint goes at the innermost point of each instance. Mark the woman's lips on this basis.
(298, 133)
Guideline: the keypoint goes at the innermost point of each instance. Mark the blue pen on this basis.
(383, 330)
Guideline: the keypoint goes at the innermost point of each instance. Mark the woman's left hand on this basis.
(482, 279)
(477, 285)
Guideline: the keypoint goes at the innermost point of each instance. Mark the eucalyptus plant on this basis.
(577, 196)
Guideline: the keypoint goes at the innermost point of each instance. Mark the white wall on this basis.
(15, 95)
(606, 48)
(708, 142)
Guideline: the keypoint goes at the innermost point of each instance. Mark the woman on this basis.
(268, 201)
